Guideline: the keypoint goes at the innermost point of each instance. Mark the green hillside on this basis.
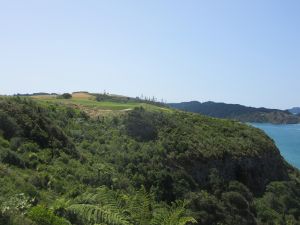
(98, 104)
(239, 112)
(92, 159)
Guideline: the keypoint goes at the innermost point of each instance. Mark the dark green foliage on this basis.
(111, 98)
(36, 94)
(65, 96)
(10, 157)
(140, 125)
(221, 110)
(238, 207)
(124, 99)
(8, 126)
(33, 123)
(235, 186)
(208, 209)
(139, 208)
(280, 203)
(153, 167)
(238, 112)
(43, 216)
(224, 206)
(13, 210)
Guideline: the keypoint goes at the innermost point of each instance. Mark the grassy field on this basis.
(93, 103)
(88, 103)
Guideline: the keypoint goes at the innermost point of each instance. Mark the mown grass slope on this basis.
(92, 103)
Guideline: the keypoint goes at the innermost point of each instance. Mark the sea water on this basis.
(287, 139)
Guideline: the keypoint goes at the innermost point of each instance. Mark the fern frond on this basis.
(103, 197)
(174, 215)
(159, 217)
(92, 214)
(140, 207)
(186, 220)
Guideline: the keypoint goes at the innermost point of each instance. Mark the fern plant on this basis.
(104, 207)
(140, 206)
(96, 214)
(174, 215)
(107, 207)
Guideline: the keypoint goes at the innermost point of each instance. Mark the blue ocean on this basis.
(287, 139)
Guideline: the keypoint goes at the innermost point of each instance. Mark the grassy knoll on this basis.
(88, 103)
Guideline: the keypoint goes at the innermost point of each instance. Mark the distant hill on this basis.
(238, 112)
(295, 110)
(36, 94)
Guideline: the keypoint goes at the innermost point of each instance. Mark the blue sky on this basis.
(245, 52)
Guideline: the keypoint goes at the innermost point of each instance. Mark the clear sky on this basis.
(233, 51)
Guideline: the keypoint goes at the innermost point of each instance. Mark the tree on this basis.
(8, 125)
(65, 96)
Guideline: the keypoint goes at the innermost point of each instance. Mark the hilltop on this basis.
(98, 104)
(106, 159)
(295, 110)
(239, 112)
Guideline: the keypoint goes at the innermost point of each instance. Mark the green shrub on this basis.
(4, 143)
(43, 216)
(28, 147)
(139, 125)
(12, 211)
(240, 188)
(236, 200)
(8, 125)
(65, 96)
(12, 158)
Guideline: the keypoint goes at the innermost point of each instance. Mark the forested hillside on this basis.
(70, 162)
(295, 110)
(239, 112)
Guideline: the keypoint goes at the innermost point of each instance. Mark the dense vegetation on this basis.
(64, 96)
(238, 112)
(60, 166)
(125, 99)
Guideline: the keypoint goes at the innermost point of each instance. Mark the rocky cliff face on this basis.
(255, 171)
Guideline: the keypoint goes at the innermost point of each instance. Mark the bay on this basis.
(287, 139)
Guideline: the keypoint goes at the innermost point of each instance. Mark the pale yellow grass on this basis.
(82, 95)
